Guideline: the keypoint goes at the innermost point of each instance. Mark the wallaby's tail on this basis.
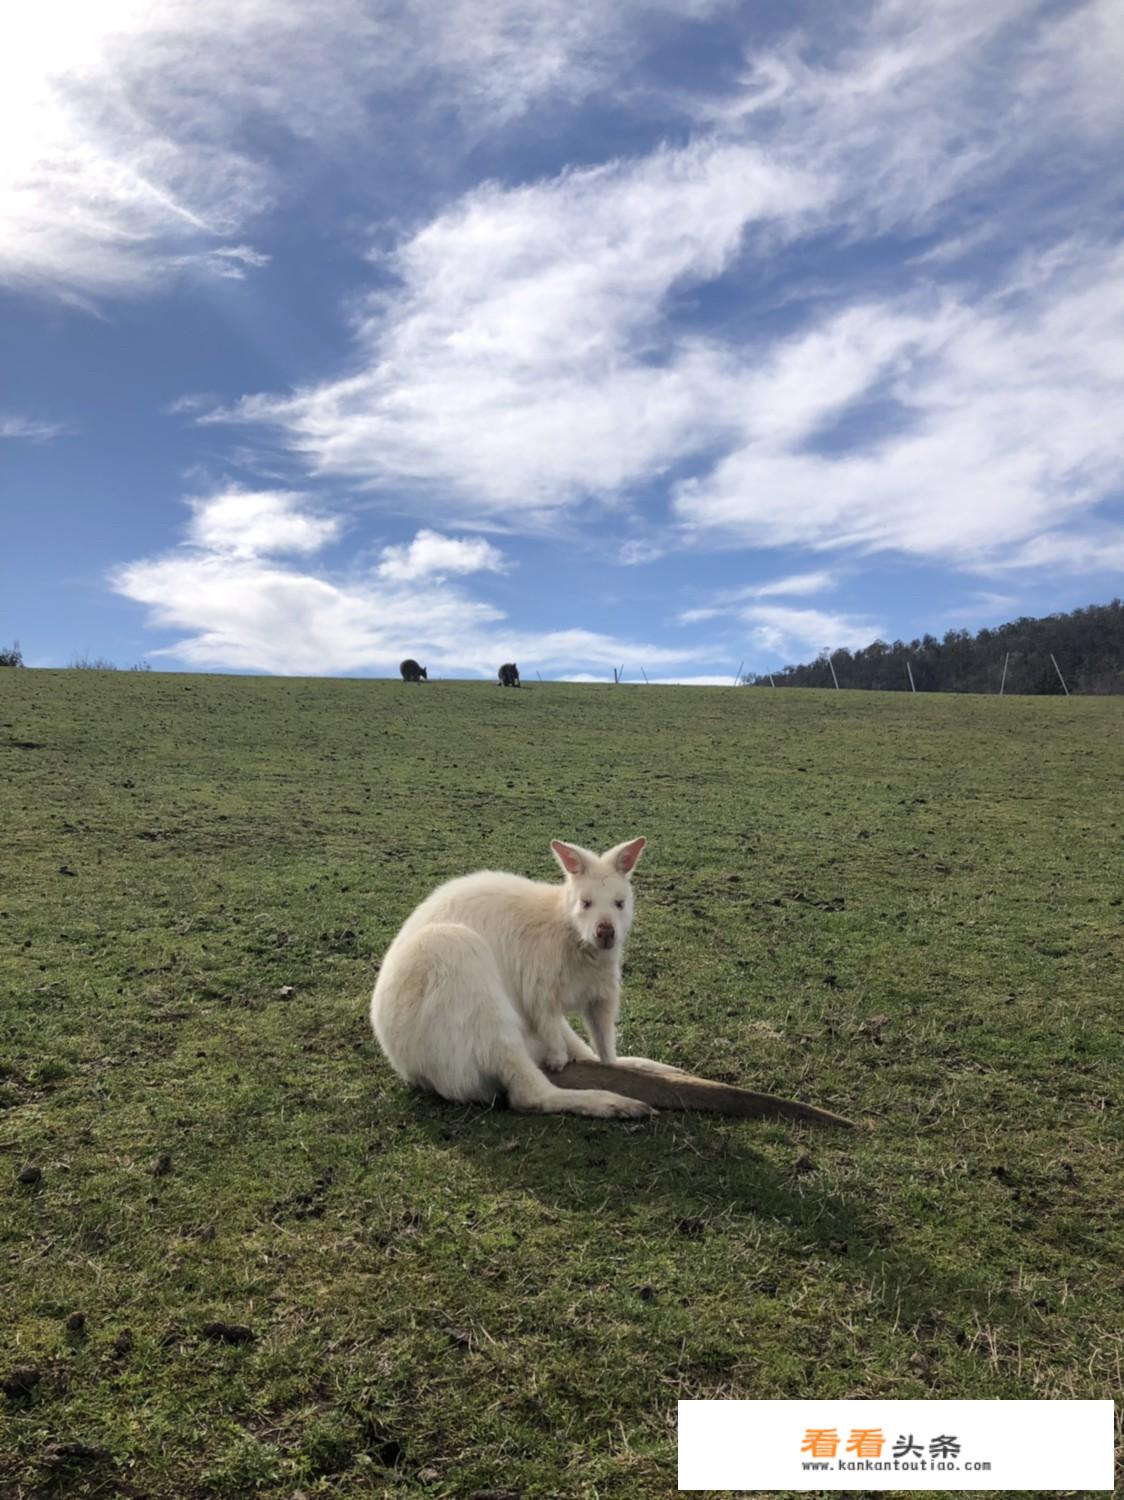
(685, 1091)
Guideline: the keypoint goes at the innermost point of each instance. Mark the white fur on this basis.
(474, 991)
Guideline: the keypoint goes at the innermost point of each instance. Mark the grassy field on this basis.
(905, 909)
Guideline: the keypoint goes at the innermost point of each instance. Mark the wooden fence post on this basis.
(1058, 670)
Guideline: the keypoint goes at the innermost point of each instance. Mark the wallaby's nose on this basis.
(606, 934)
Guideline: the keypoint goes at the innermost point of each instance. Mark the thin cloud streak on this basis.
(730, 601)
(30, 430)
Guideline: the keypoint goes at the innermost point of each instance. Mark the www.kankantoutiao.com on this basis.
(894, 1465)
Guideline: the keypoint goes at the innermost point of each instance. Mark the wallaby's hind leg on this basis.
(528, 1088)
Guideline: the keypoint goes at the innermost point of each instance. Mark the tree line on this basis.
(1088, 645)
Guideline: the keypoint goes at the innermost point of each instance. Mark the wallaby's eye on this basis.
(586, 905)
(620, 906)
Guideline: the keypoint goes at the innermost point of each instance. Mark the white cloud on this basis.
(563, 647)
(516, 367)
(31, 430)
(783, 631)
(139, 138)
(228, 262)
(908, 107)
(993, 601)
(242, 608)
(430, 554)
(189, 404)
(639, 550)
(527, 360)
(100, 175)
(242, 523)
(534, 351)
(251, 613)
(636, 680)
(1099, 551)
(730, 601)
(795, 583)
(998, 427)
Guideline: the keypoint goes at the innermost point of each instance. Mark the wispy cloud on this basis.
(997, 429)
(514, 368)
(30, 430)
(1100, 549)
(795, 583)
(140, 140)
(732, 601)
(639, 550)
(909, 108)
(778, 630)
(530, 358)
(190, 404)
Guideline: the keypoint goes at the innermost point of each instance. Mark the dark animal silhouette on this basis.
(411, 672)
(509, 675)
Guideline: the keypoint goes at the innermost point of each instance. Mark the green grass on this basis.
(907, 910)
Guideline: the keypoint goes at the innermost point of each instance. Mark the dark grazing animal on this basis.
(411, 672)
(509, 675)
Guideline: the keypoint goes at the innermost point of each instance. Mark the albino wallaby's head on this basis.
(598, 890)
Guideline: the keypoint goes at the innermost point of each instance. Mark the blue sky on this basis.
(671, 335)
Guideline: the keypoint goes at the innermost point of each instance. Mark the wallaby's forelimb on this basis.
(685, 1091)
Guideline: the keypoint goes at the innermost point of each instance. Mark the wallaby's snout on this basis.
(606, 935)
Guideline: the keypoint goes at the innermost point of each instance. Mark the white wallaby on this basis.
(474, 991)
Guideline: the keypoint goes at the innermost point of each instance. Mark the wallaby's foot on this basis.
(601, 1104)
(646, 1065)
(604, 1104)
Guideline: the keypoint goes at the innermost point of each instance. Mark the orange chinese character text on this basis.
(821, 1442)
(866, 1442)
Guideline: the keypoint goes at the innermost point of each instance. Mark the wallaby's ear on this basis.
(569, 856)
(623, 858)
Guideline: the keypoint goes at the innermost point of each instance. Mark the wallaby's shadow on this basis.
(576, 1163)
(699, 1171)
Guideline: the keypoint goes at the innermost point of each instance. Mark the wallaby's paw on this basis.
(608, 1106)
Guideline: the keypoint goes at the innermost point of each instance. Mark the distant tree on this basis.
(141, 666)
(11, 656)
(1088, 643)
